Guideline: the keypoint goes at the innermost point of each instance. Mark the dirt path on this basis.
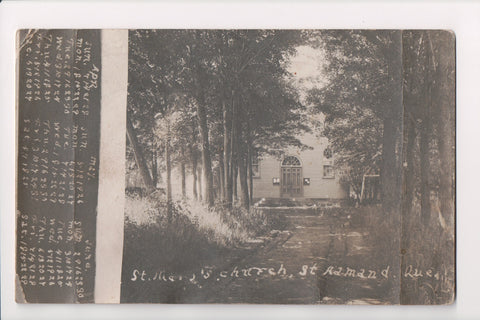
(319, 259)
(303, 266)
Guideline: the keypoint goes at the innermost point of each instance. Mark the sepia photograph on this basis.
(290, 166)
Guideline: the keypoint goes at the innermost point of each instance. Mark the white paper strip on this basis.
(111, 191)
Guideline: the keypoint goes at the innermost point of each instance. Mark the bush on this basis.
(195, 235)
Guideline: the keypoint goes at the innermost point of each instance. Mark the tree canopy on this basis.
(364, 69)
(231, 87)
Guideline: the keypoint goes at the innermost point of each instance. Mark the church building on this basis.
(299, 174)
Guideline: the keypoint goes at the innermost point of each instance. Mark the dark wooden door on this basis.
(291, 182)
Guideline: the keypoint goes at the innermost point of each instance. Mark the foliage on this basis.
(176, 76)
(225, 95)
(429, 175)
(360, 86)
(220, 226)
(194, 237)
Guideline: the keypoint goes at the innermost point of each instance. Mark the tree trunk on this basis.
(227, 155)
(391, 174)
(242, 168)
(168, 165)
(221, 178)
(409, 168)
(425, 170)
(250, 171)
(392, 148)
(206, 158)
(182, 171)
(194, 173)
(408, 180)
(425, 136)
(235, 180)
(235, 148)
(391, 169)
(446, 128)
(154, 166)
(203, 129)
(242, 160)
(139, 158)
(408, 218)
(200, 192)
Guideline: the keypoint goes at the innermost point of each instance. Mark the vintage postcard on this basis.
(236, 166)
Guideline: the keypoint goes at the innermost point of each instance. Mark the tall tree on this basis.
(236, 85)
(139, 157)
(362, 104)
(429, 81)
(445, 92)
